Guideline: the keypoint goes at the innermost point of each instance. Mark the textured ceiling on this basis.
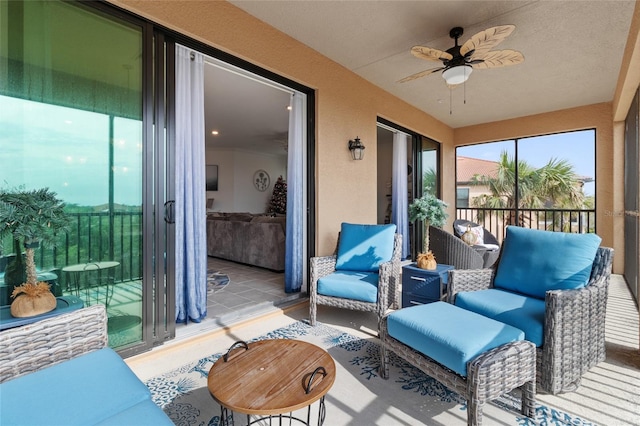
(572, 49)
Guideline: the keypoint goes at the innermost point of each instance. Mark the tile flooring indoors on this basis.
(251, 291)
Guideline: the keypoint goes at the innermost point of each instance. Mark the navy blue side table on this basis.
(420, 286)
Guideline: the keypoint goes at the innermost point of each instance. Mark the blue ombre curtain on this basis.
(295, 193)
(399, 196)
(191, 247)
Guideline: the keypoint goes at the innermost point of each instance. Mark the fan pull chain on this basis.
(465, 92)
(465, 87)
(450, 102)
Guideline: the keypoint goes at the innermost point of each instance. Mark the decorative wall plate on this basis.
(261, 180)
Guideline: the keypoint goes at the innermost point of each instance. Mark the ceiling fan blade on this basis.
(486, 40)
(499, 58)
(420, 74)
(430, 54)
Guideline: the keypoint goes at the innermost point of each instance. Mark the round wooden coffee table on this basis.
(271, 378)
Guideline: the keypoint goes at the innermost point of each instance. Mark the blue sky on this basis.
(578, 148)
(67, 150)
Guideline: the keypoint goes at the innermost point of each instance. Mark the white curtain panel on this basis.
(399, 208)
(191, 246)
(295, 193)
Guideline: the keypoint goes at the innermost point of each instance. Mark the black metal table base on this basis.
(226, 417)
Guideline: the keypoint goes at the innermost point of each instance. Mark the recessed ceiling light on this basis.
(215, 132)
(289, 107)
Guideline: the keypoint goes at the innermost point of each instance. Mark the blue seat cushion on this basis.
(523, 312)
(82, 391)
(364, 247)
(448, 334)
(353, 285)
(533, 262)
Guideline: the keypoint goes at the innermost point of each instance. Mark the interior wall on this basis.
(608, 226)
(346, 104)
(236, 191)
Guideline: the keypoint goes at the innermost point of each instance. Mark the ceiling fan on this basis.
(459, 61)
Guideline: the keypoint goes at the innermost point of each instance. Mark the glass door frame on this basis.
(159, 166)
(416, 233)
(158, 278)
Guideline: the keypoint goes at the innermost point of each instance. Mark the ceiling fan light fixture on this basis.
(457, 75)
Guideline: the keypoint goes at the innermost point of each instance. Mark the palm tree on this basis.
(429, 182)
(554, 185)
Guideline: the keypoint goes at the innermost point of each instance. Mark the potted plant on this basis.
(431, 211)
(32, 217)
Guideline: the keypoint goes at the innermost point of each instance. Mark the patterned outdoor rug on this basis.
(216, 281)
(358, 397)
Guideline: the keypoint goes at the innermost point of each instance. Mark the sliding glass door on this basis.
(72, 119)
(423, 176)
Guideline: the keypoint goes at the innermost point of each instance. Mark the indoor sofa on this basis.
(257, 240)
(553, 286)
(59, 371)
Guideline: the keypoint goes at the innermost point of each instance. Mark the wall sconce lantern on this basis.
(356, 148)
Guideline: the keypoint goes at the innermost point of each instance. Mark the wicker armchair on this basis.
(451, 250)
(489, 256)
(388, 284)
(488, 237)
(574, 323)
(51, 341)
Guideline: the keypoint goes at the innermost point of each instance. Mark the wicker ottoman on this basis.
(486, 375)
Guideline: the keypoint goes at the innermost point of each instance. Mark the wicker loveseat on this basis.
(554, 287)
(58, 371)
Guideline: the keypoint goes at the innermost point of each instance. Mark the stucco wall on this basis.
(346, 105)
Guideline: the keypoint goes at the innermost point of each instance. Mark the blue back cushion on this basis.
(364, 247)
(533, 261)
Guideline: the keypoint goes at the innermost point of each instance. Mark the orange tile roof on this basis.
(467, 167)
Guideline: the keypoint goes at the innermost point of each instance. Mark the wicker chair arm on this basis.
(50, 341)
(386, 287)
(468, 280)
(490, 258)
(572, 308)
(568, 303)
(574, 333)
(389, 279)
(321, 266)
(489, 238)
